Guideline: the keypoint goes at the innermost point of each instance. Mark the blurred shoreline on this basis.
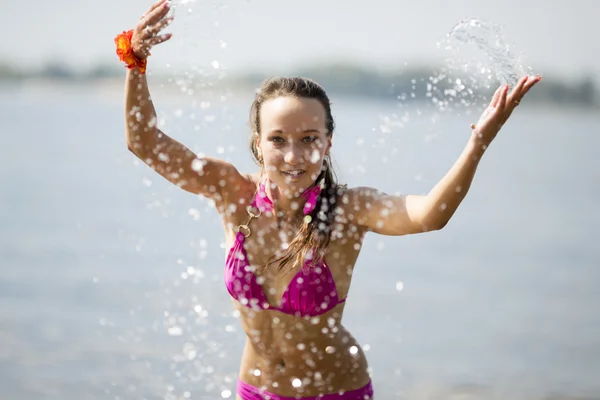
(416, 84)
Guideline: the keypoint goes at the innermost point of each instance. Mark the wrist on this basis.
(126, 53)
(477, 146)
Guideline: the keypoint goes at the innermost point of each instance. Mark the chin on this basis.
(292, 184)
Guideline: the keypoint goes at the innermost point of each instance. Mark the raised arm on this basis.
(200, 175)
(405, 214)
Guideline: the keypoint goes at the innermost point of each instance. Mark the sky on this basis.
(553, 37)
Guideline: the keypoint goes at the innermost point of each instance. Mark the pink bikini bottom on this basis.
(249, 392)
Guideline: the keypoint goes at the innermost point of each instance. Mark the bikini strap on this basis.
(261, 201)
(244, 229)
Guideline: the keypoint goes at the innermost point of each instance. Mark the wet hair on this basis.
(313, 236)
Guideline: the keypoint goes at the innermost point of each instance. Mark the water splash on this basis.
(478, 60)
(499, 60)
(184, 4)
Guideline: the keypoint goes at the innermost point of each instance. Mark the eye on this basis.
(309, 139)
(276, 139)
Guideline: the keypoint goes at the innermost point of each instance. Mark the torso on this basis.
(282, 348)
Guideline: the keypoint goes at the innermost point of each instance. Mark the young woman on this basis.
(293, 233)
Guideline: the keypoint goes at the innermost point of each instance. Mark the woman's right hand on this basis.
(146, 33)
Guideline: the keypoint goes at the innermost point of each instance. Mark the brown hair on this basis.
(313, 237)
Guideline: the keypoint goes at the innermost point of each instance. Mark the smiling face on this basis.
(292, 142)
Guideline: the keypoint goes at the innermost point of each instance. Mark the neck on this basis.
(290, 204)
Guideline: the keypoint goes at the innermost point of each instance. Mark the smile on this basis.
(294, 174)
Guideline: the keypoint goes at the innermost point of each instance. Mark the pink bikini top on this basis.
(311, 292)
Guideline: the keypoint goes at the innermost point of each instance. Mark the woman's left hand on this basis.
(500, 108)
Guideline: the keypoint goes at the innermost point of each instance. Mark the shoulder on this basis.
(353, 201)
(365, 206)
(359, 196)
(238, 191)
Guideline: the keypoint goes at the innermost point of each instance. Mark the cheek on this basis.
(272, 156)
(315, 154)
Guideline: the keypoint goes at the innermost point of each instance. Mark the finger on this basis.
(496, 96)
(531, 83)
(151, 31)
(160, 39)
(154, 6)
(515, 94)
(502, 100)
(157, 14)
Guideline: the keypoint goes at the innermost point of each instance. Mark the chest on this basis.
(265, 244)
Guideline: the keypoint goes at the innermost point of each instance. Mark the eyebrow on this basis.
(281, 132)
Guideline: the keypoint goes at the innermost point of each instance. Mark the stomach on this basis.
(305, 356)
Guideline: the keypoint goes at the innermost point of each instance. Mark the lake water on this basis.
(96, 253)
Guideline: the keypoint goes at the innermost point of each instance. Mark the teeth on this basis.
(294, 173)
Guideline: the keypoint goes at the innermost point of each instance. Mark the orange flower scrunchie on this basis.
(125, 52)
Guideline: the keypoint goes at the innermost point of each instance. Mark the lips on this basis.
(294, 174)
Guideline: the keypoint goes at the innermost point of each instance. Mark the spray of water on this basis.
(494, 55)
(191, 104)
(478, 58)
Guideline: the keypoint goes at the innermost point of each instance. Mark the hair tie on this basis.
(125, 52)
(311, 195)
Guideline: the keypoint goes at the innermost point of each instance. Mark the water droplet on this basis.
(226, 394)
(296, 382)
(190, 351)
(353, 350)
(315, 157)
(399, 286)
(215, 64)
(197, 165)
(175, 331)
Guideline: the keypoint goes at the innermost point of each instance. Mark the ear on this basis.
(257, 139)
(329, 144)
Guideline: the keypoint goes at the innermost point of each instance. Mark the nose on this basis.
(293, 155)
